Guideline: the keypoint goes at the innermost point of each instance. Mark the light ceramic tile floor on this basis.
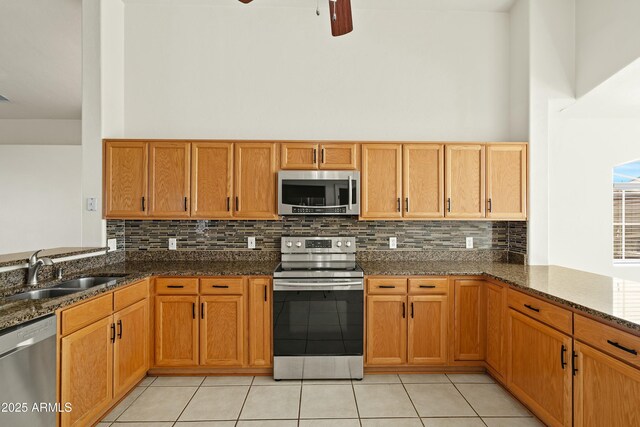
(429, 400)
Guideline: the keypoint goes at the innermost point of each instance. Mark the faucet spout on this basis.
(35, 264)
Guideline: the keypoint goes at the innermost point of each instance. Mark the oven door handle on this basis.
(319, 286)
(350, 207)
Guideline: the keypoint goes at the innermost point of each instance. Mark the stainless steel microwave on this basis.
(318, 193)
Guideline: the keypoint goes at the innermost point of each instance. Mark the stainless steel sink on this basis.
(42, 294)
(87, 282)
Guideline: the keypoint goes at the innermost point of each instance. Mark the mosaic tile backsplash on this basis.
(136, 235)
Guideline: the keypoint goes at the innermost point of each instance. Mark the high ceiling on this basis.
(40, 59)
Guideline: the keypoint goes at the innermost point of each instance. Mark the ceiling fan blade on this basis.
(245, 1)
(340, 15)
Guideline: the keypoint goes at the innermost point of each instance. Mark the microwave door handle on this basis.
(350, 207)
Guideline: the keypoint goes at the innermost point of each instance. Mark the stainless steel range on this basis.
(318, 309)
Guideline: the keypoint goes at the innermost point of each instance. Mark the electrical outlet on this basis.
(393, 242)
(92, 204)
(251, 242)
(173, 244)
(113, 244)
(469, 242)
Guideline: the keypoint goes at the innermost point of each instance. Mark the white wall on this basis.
(607, 40)
(582, 157)
(40, 132)
(519, 63)
(40, 195)
(201, 71)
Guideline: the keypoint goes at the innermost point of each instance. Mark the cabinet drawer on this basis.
(610, 340)
(429, 285)
(78, 317)
(176, 285)
(545, 312)
(131, 294)
(222, 286)
(387, 286)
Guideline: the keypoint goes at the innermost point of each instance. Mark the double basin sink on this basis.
(67, 287)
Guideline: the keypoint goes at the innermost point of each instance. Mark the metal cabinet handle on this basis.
(386, 287)
(143, 205)
(489, 204)
(113, 332)
(537, 310)
(412, 310)
(265, 293)
(427, 286)
(574, 362)
(323, 155)
(398, 204)
(175, 286)
(228, 203)
(563, 350)
(407, 203)
(623, 348)
(237, 203)
(315, 157)
(185, 203)
(193, 310)
(403, 310)
(202, 310)
(120, 329)
(449, 204)
(220, 286)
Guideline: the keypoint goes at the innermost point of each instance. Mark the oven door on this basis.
(314, 318)
(319, 193)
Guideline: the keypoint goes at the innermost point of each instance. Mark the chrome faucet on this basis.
(34, 266)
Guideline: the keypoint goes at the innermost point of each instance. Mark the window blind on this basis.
(626, 224)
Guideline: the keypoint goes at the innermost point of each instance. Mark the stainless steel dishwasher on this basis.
(28, 374)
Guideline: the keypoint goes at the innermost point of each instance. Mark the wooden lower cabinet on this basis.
(176, 330)
(222, 330)
(86, 375)
(131, 347)
(469, 319)
(606, 391)
(427, 331)
(386, 330)
(539, 368)
(260, 322)
(495, 342)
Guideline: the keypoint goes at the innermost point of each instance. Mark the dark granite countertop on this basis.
(13, 313)
(610, 299)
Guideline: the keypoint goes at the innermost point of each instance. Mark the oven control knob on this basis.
(338, 244)
(298, 244)
(289, 244)
(348, 243)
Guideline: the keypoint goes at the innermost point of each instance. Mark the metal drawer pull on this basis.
(563, 350)
(427, 286)
(120, 329)
(537, 310)
(386, 287)
(175, 286)
(623, 348)
(220, 286)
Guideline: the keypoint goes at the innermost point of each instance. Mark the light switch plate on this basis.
(251, 242)
(173, 243)
(92, 204)
(469, 242)
(393, 242)
(113, 244)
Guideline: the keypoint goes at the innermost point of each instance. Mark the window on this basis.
(626, 213)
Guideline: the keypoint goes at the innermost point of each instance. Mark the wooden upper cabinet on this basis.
(423, 180)
(211, 180)
(469, 319)
(386, 329)
(298, 155)
(260, 319)
(338, 156)
(131, 347)
(381, 181)
(428, 325)
(169, 179)
(222, 330)
(176, 330)
(605, 390)
(465, 181)
(256, 167)
(496, 306)
(86, 364)
(539, 369)
(507, 181)
(125, 179)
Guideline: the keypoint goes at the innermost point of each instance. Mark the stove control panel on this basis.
(291, 244)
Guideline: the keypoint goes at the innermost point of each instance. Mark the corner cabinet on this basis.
(469, 319)
(256, 166)
(506, 181)
(125, 181)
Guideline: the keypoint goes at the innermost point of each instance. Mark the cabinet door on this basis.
(211, 180)
(222, 330)
(260, 322)
(300, 155)
(469, 327)
(131, 357)
(428, 326)
(381, 181)
(125, 179)
(255, 180)
(464, 181)
(169, 179)
(496, 306)
(423, 180)
(539, 368)
(338, 156)
(176, 331)
(605, 390)
(386, 329)
(86, 376)
(507, 181)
